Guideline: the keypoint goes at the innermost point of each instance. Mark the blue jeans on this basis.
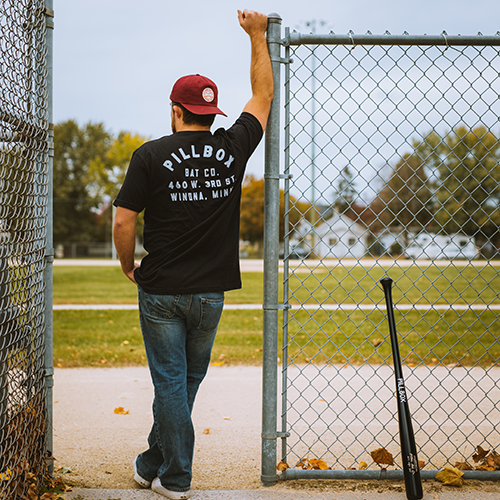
(179, 332)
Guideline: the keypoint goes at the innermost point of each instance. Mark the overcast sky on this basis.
(115, 61)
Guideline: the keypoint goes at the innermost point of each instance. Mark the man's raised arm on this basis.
(261, 72)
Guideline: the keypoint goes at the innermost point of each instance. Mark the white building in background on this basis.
(339, 237)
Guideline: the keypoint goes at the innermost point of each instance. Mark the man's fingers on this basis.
(252, 21)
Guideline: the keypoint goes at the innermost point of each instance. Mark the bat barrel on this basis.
(387, 286)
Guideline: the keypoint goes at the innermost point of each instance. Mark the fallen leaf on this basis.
(484, 467)
(121, 411)
(5, 476)
(421, 464)
(493, 460)
(207, 431)
(48, 496)
(382, 456)
(227, 418)
(219, 363)
(377, 342)
(363, 465)
(318, 464)
(480, 455)
(302, 463)
(64, 470)
(450, 476)
(463, 466)
(282, 466)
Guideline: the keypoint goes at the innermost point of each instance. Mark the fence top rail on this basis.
(294, 38)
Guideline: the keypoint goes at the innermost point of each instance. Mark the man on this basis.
(189, 184)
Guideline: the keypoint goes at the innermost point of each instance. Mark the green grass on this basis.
(413, 285)
(429, 338)
(108, 285)
(113, 338)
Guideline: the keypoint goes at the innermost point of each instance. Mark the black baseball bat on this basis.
(411, 470)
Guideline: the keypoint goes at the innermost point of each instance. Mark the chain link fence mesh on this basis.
(23, 213)
(392, 168)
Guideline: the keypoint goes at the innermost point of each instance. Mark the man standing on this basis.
(189, 184)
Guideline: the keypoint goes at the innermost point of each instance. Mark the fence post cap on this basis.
(273, 16)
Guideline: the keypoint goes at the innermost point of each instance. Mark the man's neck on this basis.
(191, 128)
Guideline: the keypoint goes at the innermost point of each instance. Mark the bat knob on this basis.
(386, 282)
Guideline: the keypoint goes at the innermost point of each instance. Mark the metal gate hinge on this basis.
(283, 434)
(278, 177)
(49, 255)
(271, 436)
(277, 307)
(282, 60)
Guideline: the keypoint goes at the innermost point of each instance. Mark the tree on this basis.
(89, 167)
(467, 167)
(345, 192)
(75, 150)
(252, 211)
(405, 200)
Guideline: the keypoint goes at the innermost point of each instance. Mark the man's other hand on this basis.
(254, 23)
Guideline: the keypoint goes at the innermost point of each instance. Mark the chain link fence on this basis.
(391, 167)
(23, 220)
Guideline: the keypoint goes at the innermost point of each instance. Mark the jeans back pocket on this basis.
(211, 306)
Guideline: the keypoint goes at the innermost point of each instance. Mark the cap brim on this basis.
(204, 110)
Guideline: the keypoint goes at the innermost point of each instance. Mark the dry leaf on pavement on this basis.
(480, 455)
(282, 466)
(493, 460)
(463, 466)
(318, 464)
(121, 411)
(382, 457)
(450, 476)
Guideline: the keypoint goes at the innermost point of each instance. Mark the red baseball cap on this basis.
(197, 94)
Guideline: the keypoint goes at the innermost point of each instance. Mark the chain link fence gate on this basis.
(24, 192)
(391, 167)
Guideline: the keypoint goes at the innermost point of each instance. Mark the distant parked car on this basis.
(295, 253)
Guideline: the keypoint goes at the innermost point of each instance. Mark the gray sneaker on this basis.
(143, 483)
(157, 487)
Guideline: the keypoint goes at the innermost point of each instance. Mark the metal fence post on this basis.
(49, 242)
(271, 266)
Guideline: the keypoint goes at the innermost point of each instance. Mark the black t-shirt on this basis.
(189, 185)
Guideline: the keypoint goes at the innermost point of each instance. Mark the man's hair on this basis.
(192, 119)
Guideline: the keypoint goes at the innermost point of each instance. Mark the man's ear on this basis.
(177, 111)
